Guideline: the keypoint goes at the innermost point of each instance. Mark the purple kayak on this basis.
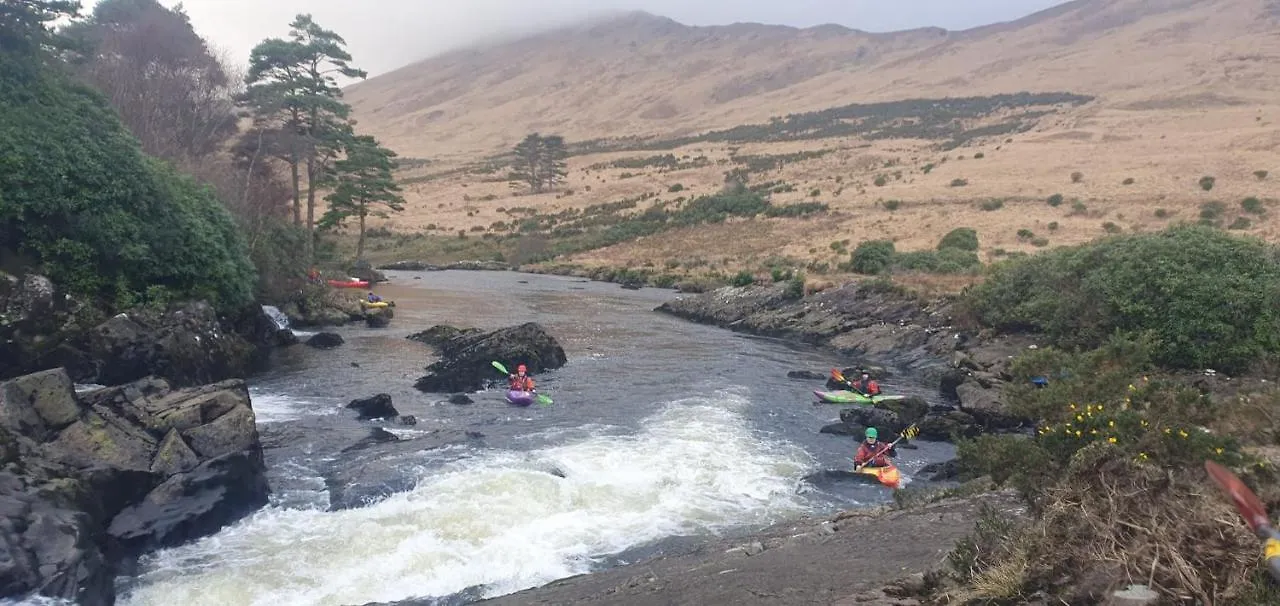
(520, 398)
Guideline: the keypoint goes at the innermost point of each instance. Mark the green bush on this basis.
(1240, 223)
(991, 205)
(892, 205)
(1110, 228)
(961, 238)
(676, 188)
(743, 278)
(780, 274)
(1206, 183)
(1128, 181)
(1205, 298)
(1055, 200)
(103, 220)
(880, 181)
(872, 257)
(1212, 211)
(795, 287)
(959, 182)
(1260, 174)
(1252, 205)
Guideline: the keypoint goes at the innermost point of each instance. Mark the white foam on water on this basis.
(271, 407)
(498, 519)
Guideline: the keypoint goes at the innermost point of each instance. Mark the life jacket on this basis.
(519, 383)
(868, 387)
(880, 450)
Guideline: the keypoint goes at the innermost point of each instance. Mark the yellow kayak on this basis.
(888, 475)
(378, 305)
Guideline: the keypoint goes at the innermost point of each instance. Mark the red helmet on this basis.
(521, 368)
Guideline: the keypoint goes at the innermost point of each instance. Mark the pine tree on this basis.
(363, 186)
(551, 161)
(292, 88)
(527, 167)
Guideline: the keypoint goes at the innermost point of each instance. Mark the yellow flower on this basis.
(1145, 379)
(1182, 433)
(1142, 456)
(1218, 450)
(1112, 439)
(1111, 423)
(1073, 407)
(1167, 431)
(1099, 408)
(1132, 388)
(1093, 432)
(1079, 417)
(1079, 433)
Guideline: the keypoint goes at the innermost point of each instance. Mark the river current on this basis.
(661, 429)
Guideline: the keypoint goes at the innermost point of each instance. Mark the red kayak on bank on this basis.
(349, 283)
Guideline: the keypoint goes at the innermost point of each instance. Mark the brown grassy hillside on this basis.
(1172, 91)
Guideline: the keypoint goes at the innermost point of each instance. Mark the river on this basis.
(661, 428)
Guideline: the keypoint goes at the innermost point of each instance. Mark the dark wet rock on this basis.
(376, 407)
(459, 265)
(407, 266)
(115, 472)
(440, 334)
(466, 360)
(941, 471)
(377, 435)
(632, 285)
(807, 375)
(460, 399)
(378, 317)
(325, 340)
(407, 420)
(909, 410)
(948, 426)
(381, 467)
(840, 429)
(363, 271)
(886, 421)
(949, 381)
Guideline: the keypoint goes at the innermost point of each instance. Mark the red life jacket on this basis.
(519, 383)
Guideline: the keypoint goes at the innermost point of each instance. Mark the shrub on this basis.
(880, 181)
(1128, 181)
(960, 238)
(795, 287)
(991, 205)
(892, 205)
(1206, 183)
(1162, 213)
(1139, 285)
(815, 193)
(1053, 226)
(780, 274)
(743, 278)
(1260, 174)
(1077, 177)
(1039, 242)
(1212, 211)
(1025, 234)
(872, 257)
(676, 188)
(959, 182)
(1055, 200)
(928, 168)
(1252, 205)
(1240, 223)
(1110, 228)
(1079, 208)
(979, 156)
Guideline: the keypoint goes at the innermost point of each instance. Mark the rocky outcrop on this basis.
(872, 321)
(362, 270)
(459, 265)
(466, 358)
(382, 464)
(376, 407)
(438, 335)
(325, 340)
(319, 305)
(90, 480)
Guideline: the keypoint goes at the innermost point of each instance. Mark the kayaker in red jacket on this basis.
(872, 452)
(865, 385)
(521, 381)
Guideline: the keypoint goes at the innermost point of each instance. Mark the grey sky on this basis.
(385, 34)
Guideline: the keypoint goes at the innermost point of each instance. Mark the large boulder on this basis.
(466, 360)
(187, 346)
(92, 479)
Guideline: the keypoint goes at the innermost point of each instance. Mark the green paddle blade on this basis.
(502, 369)
(544, 400)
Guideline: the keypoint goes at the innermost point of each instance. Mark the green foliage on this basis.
(743, 278)
(1055, 200)
(1111, 228)
(675, 188)
(1077, 177)
(880, 181)
(1209, 300)
(1240, 223)
(1206, 182)
(991, 205)
(1128, 181)
(942, 261)
(959, 182)
(104, 221)
(795, 286)
(540, 162)
(892, 205)
(363, 185)
(1252, 205)
(873, 257)
(960, 238)
(797, 209)
(1260, 174)
(767, 162)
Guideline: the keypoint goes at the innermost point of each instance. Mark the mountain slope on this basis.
(645, 75)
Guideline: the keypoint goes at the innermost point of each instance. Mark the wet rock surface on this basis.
(89, 481)
(467, 355)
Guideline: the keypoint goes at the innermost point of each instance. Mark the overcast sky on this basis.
(385, 34)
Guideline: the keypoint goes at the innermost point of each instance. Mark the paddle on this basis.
(1253, 512)
(839, 377)
(542, 400)
(910, 432)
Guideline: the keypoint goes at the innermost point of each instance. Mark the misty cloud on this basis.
(386, 34)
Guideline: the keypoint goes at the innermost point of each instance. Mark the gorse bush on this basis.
(961, 238)
(1205, 298)
(872, 257)
(78, 196)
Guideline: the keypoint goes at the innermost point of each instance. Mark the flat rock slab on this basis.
(810, 562)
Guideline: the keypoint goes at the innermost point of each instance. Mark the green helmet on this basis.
(872, 433)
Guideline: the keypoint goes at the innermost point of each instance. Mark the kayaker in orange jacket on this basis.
(872, 452)
(866, 385)
(521, 381)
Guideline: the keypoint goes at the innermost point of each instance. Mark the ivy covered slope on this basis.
(83, 204)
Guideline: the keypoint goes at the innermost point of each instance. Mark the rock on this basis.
(460, 399)
(807, 375)
(466, 360)
(949, 382)
(948, 426)
(885, 421)
(193, 504)
(187, 346)
(407, 420)
(325, 340)
(985, 404)
(37, 403)
(909, 410)
(378, 317)
(941, 471)
(407, 266)
(842, 429)
(377, 435)
(138, 466)
(376, 407)
(382, 467)
(441, 334)
(363, 271)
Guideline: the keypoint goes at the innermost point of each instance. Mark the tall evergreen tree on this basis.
(552, 168)
(527, 167)
(293, 86)
(363, 186)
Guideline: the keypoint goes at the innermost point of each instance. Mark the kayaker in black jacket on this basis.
(866, 386)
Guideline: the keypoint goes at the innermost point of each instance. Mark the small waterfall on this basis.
(277, 316)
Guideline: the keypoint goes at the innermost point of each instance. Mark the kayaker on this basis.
(374, 298)
(865, 385)
(872, 452)
(521, 381)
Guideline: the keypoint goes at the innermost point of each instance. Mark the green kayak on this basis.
(853, 397)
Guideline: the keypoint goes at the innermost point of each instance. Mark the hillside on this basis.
(1091, 118)
(646, 75)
